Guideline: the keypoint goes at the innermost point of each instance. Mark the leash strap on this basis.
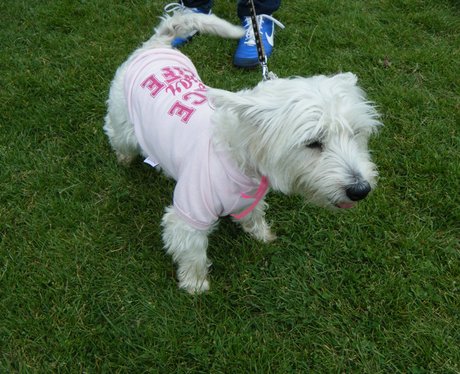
(266, 75)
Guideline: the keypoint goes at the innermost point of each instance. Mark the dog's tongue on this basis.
(346, 205)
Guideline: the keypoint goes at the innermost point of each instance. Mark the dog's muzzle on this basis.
(358, 191)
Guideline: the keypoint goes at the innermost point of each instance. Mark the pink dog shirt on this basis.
(168, 106)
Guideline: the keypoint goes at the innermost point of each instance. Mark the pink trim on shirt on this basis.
(261, 191)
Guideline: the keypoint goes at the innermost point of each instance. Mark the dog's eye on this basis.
(315, 145)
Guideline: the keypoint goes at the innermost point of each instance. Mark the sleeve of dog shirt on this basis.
(194, 201)
(195, 214)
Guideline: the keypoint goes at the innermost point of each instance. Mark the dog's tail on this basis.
(181, 25)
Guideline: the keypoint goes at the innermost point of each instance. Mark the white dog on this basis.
(304, 136)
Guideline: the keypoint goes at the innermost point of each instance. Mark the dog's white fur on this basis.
(307, 135)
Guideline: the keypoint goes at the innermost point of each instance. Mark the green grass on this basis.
(84, 283)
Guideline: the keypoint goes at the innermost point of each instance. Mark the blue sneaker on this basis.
(246, 53)
(178, 7)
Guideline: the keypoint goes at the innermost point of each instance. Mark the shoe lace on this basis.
(175, 7)
(249, 37)
(178, 8)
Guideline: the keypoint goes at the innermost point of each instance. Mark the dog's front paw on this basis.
(194, 287)
(259, 230)
(265, 235)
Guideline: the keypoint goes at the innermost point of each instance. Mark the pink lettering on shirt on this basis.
(176, 80)
(153, 85)
(182, 111)
(195, 98)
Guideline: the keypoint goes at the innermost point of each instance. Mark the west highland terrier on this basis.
(225, 150)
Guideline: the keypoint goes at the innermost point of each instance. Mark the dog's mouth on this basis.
(346, 205)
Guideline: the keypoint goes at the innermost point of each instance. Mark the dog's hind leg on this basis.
(122, 139)
(118, 127)
(256, 225)
(187, 246)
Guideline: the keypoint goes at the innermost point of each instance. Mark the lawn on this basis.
(84, 283)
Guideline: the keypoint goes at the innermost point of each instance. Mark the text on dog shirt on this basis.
(181, 83)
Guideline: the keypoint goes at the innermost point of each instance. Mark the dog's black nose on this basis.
(358, 191)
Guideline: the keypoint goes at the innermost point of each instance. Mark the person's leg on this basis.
(261, 6)
(246, 53)
(203, 5)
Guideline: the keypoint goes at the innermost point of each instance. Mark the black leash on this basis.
(266, 74)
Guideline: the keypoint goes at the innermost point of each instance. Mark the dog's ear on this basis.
(229, 100)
